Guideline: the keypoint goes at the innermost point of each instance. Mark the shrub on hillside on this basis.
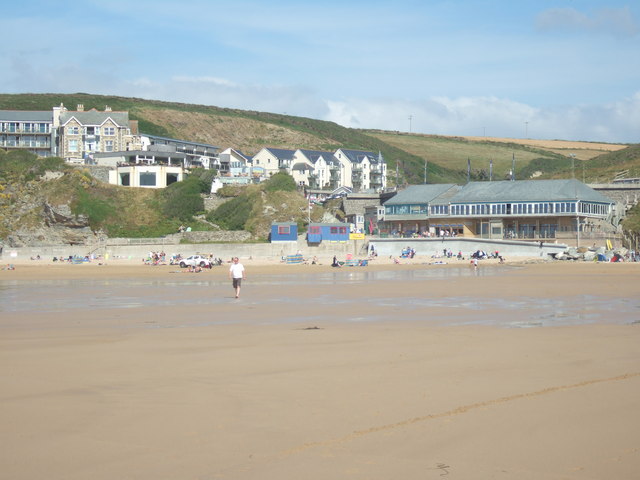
(93, 207)
(183, 200)
(233, 215)
(281, 181)
(20, 164)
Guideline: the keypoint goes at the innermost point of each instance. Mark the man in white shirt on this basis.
(236, 274)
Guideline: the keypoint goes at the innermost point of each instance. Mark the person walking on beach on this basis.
(236, 274)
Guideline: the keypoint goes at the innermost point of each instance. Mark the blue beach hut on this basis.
(327, 232)
(284, 232)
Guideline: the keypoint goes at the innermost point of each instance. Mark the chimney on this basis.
(80, 107)
(107, 108)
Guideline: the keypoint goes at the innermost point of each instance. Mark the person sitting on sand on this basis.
(335, 262)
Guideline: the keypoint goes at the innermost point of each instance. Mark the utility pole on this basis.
(513, 166)
(410, 117)
(397, 162)
(575, 191)
(425, 172)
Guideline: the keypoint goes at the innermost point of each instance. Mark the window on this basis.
(284, 229)
(147, 179)
(108, 146)
(73, 130)
(73, 145)
(314, 230)
(109, 131)
(343, 230)
(333, 230)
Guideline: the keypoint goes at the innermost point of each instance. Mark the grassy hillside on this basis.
(446, 157)
(544, 159)
(142, 212)
(248, 131)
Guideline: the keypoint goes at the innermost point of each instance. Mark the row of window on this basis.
(24, 141)
(25, 127)
(333, 230)
(75, 130)
(89, 147)
(499, 209)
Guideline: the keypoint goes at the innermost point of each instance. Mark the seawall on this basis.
(133, 250)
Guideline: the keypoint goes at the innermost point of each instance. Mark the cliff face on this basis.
(57, 227)
(37, 214)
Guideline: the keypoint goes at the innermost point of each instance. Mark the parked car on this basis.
(195, 261)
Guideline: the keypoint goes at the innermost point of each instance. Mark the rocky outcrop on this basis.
(57, 226)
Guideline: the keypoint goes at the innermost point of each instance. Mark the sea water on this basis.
(34, 296)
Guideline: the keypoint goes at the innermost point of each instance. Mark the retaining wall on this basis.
(358, 248)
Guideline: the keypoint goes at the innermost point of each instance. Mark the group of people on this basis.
(156, 258)
(408, 252)
(71, 258)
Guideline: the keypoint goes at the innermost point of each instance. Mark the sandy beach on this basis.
(526, 370)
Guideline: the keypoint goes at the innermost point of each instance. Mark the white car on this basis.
(195, 261)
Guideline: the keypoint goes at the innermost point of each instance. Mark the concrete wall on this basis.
(358, 248)
(435, 246)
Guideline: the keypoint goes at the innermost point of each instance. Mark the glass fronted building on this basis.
(527, 209)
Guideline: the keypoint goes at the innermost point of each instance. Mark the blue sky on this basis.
(538, 69)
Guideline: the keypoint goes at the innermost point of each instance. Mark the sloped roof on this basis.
(235, 153)
(357, 156)
(94, 117)
(175, 141)
(314, 155)
(421, 194)
(301, 166)
(281, 153)
(528, 191)
(26, 116)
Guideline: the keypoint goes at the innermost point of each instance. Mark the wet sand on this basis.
(409, 371)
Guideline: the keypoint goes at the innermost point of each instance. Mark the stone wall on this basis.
(99, 172)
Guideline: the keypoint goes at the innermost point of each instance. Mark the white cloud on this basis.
(220, 92)
(489, 116)
(616, 21)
